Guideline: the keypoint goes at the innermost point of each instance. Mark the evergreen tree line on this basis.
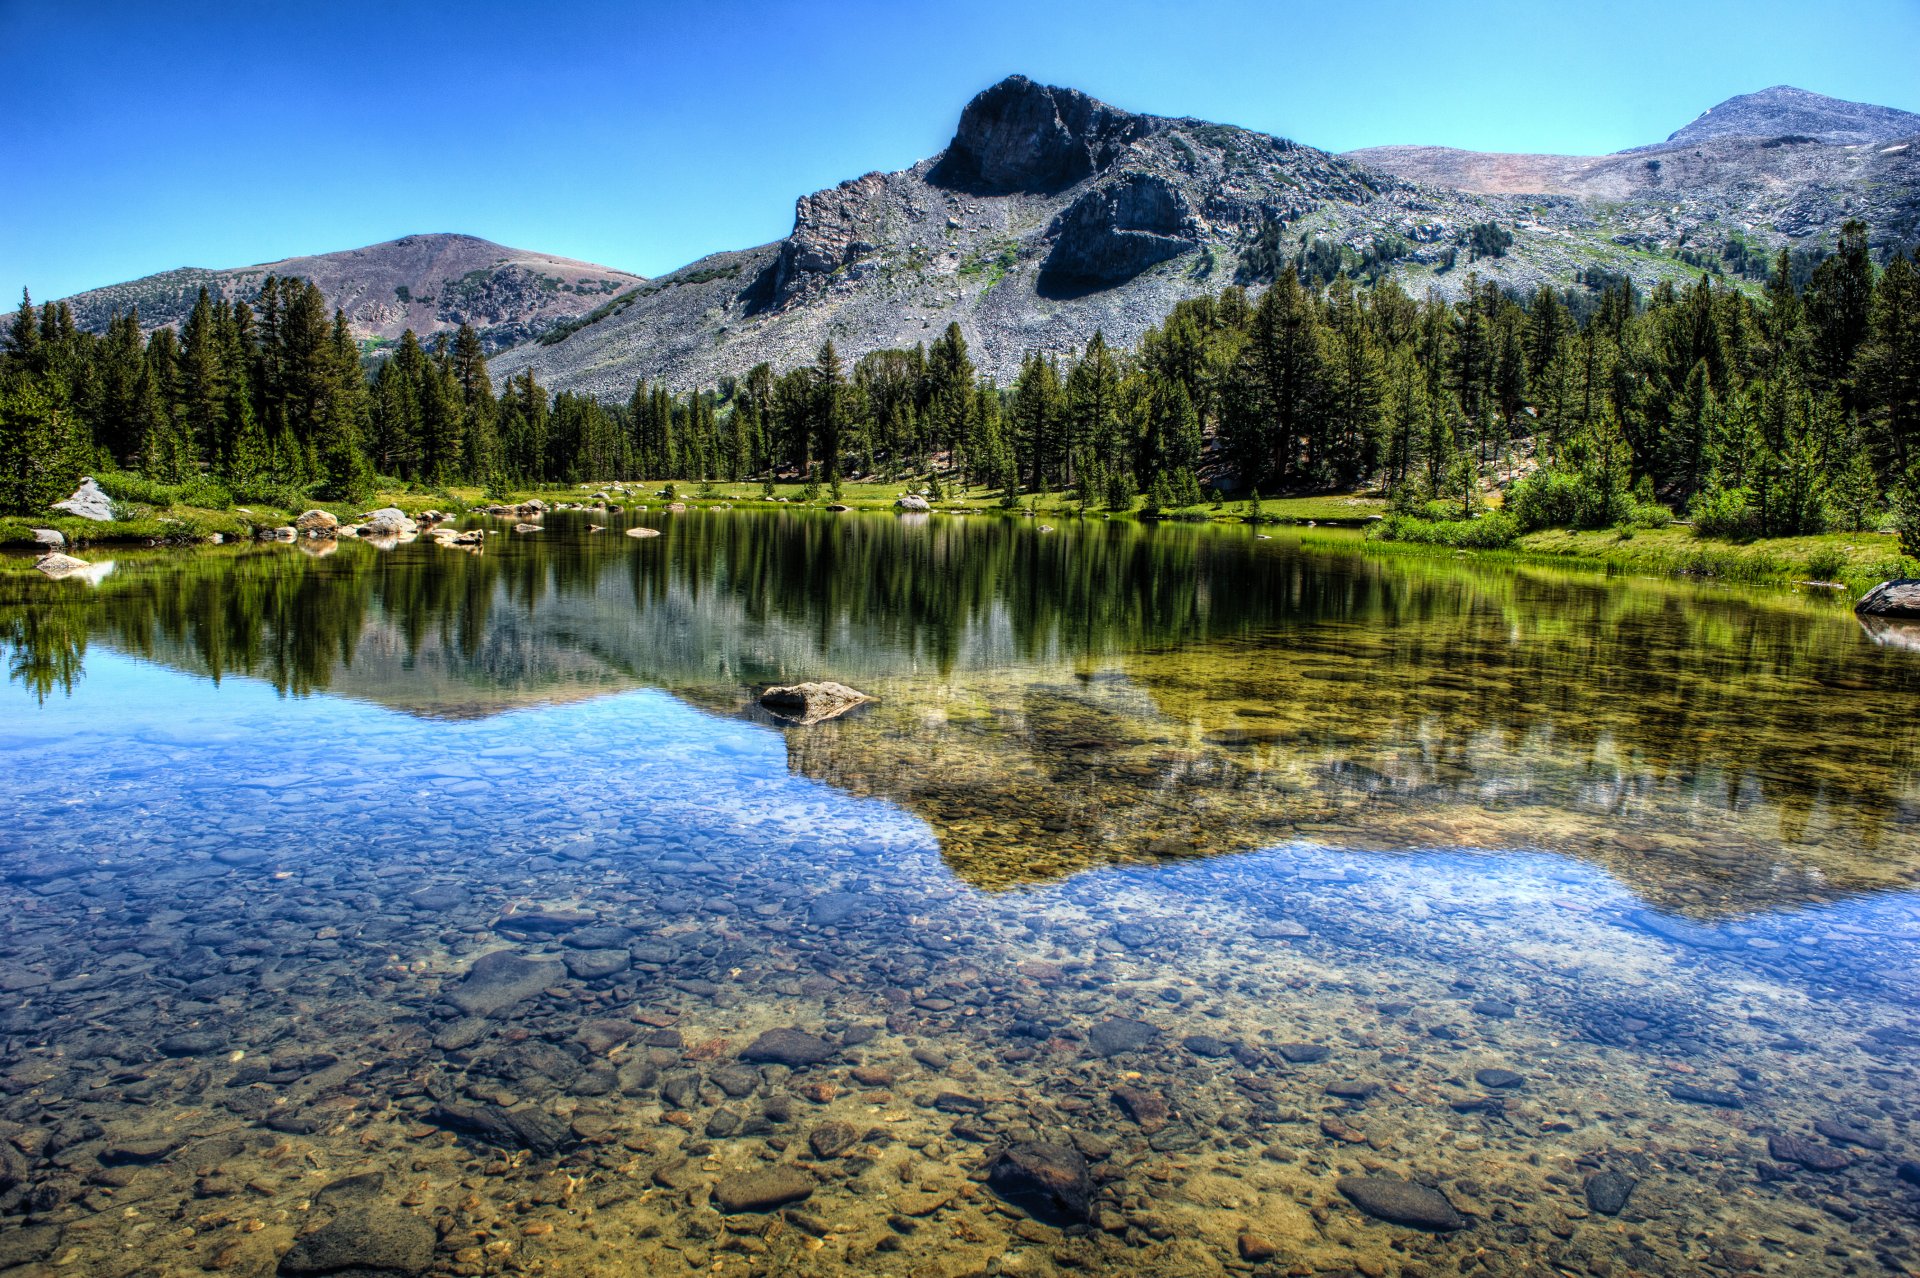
(1780, 413)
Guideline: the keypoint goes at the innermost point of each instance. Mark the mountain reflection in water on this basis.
(1116, 693)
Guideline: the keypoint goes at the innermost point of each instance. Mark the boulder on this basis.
(57, 565)
(1023, 136)
(1118, 230)
(792, 1047)
(804, 703)
(389, 521)
(52, 537)
(1899, 597)
(88, 502)
(1049, 1182)
(501, 979)
(316, 523)
(526, 528)
(531, 1129)
(912, 502)
(763, 1190)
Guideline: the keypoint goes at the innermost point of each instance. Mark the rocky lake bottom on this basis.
(626, 983)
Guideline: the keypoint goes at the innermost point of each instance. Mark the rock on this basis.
(1706, 1096)
(790, 1046)
(1023, 136)
(1255, 1249)
(805, 703)
(1898, 597)
(1607, 1192)
(1119, 229)
(1792, 1149)
(388, 521)
(830, 1140)
(25, 1244)
(763, 1190)
(501, 979)
(1049, 1182)
(459, 1034)
(643, 532)
(1847, 1134)
(193, 1043)
(835, 908)
(1402, 1202)
(57, 565)
(1909, 1172)
(1302, 1053)
(88, 502)
(1683, 932)
(913, 503)
(1352, 1089)
(530, 1129)
(1207, 1045)
(50, 537)
(364, 1241)
(1143, 1107)
(1498, 1078)
(316, 521)
(1121, 1034)
(591, 965)
(1494, 1008)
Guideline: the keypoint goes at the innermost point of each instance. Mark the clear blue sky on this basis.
(643, 135)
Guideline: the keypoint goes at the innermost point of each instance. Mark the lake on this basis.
(1186, 902)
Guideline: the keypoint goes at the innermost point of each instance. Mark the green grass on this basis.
(1856, 560)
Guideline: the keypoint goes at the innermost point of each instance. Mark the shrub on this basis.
(200, 490)
(1724, 512)
(1577, 498)
(1826, 564)
(1496, 531)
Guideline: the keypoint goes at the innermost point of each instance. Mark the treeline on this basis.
(1780, 413)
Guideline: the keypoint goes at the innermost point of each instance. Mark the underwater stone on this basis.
(364, 1240)
(501, 979)
(763, 1190)
(1049, 1182)
(790, 1046)
(1607, 1193)
(1402, 1202)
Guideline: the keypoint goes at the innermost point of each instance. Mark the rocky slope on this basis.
(1778, 167)
(1049, 216)
(429, 283)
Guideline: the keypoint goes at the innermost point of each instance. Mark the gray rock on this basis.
(1498, 1078)
(501, 979)
(316, 521)
(1023, 136)
(193, 1043)
(1792, 1149)
(763, 1190)
(1696, 1095)
(388, 521)
(789, 1046)
(1121, 1034)
(364, 1240)
(1050, 1182)
(57, 565)
(529, 1128)
(1402, 1202)
(589, 965)
(1848, 1134)
(805, 703)
(1302, 1053)
(1898, 597)
(912, 503)
(25, 1244)
(1607, 1192)
(88, 502)
(830, 1140)
(50, 537)
(1119, 229)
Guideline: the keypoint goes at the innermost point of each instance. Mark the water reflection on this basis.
(1113, 693)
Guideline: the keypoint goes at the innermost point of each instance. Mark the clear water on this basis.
(1138, 818)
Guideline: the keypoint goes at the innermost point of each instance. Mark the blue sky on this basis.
(642, 135)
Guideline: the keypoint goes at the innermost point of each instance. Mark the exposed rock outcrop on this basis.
(1119, 229)
(1022, 136)
(87, 502)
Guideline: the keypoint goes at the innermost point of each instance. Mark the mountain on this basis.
(1778, 168)
(429, 283)
(1051, 215)
(1784, 111)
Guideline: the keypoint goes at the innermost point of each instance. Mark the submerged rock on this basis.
(790, 1046)
(1607, 1192)
(88, 502)
(763, 1190)
(1402, 1202)
(499, 980)
(643, 532)
(534, 1130)
(1792, 1149)
(1047, 1181)
(804, 703)
(1121, 1034)
(364, 1240)
(58, 565)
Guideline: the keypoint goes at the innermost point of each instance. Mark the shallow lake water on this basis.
(1185, 903)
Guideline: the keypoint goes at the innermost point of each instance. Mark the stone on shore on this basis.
(316, 523)
(913, 503)
(389, 521)
(1898, 597)
(88, 502)
(51, 537)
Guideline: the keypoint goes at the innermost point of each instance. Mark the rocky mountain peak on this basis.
(1784, 111)
(1022, 136)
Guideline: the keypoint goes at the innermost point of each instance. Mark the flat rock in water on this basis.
(193, 1043)
(789, 1046)
(534, 1130)
(1899, 597)
(24, 1244)
(1121, 1034)
(1846, 1134)
(763, 1190)
(1207, 1045)
(364, 1240)
(1402, 1202)
(1607, 1192)
(830, 1140)
(1792, 1149)
(1706, 1096)
(1498, 1078)
(643, 532)
(501, 979)
(1048, 1181)
(1681, 932)
(1303, 1053)
(812, 702)
(58, 565)
(834, 908)
(590, 965)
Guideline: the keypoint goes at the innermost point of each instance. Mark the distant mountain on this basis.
(1781, 167)
(429, 283)
(1052, 215)
(1784, 111)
